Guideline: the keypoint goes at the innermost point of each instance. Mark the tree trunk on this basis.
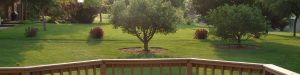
(239, 41)
(146, 47)
(295, 25)
(0, 20)
(44, 22)
(100, 17)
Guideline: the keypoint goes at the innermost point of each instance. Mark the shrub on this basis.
(201, 34)
(31, 32)
(84, 14)
(96, 33)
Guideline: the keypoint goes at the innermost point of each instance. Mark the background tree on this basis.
(203, 6)
(237, 21)
(284, 8)
(144, 18)
(1, 15)
(41, 6)
(95, 4)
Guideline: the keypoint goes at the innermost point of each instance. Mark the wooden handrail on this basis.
(191, 66)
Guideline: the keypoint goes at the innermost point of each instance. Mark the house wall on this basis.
(8, 9)
(290, 27)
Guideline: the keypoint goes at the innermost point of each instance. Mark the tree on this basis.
(1, 15)
(285, 8)
(144, 18)
(41, 6)
(203, 6)
(84, 14)
(236, 22)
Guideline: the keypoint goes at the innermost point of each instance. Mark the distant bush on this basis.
(84, 14)
(257, 35)
(201, 34)
(96, 33)
(31, 32)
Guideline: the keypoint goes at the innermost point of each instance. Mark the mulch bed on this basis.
(140, 50)
(236, 47)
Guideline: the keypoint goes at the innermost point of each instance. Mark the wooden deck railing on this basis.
(176, 66)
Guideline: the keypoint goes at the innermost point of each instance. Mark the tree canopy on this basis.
(144, 18)
(203, 6)
(236, 21)
(284, 8)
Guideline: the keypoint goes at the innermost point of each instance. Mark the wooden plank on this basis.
(86, 69)
(103, 69)
(78, 70)
(189, 68)
(231, 70)
(94, 69)
(123, 72)
(204, 70)
(61, 72)
(278, 70)
(112, 69)
(180, 69)
(142, 69)
(73, 66)
(223, 70)
(51, 72)
(132, 69)
(70, 71)
(250, 72)
(213, 70)
(241, 71)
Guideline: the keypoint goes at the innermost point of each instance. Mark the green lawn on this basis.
(69, 42)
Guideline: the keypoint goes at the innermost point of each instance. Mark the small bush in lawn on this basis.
(201, 34)
(31, 32)
(96, 33)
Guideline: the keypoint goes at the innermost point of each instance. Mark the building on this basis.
(12, 10)
(290, 27)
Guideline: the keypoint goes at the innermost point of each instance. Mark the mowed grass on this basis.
(70, 42)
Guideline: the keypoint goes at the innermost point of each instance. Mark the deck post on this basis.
(189, 68)
(103, 68)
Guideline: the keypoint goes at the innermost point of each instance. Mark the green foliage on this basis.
(41, 5)
(284, 8)
(177, 3)
(92, 3)
(237, 21)
(84, 14)
(203, 6)
(1, 14)
(144, 18)
(56, 13)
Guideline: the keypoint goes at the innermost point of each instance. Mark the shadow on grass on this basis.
(286, 36)
(94, 41)
(13, 52)
(286, 56)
